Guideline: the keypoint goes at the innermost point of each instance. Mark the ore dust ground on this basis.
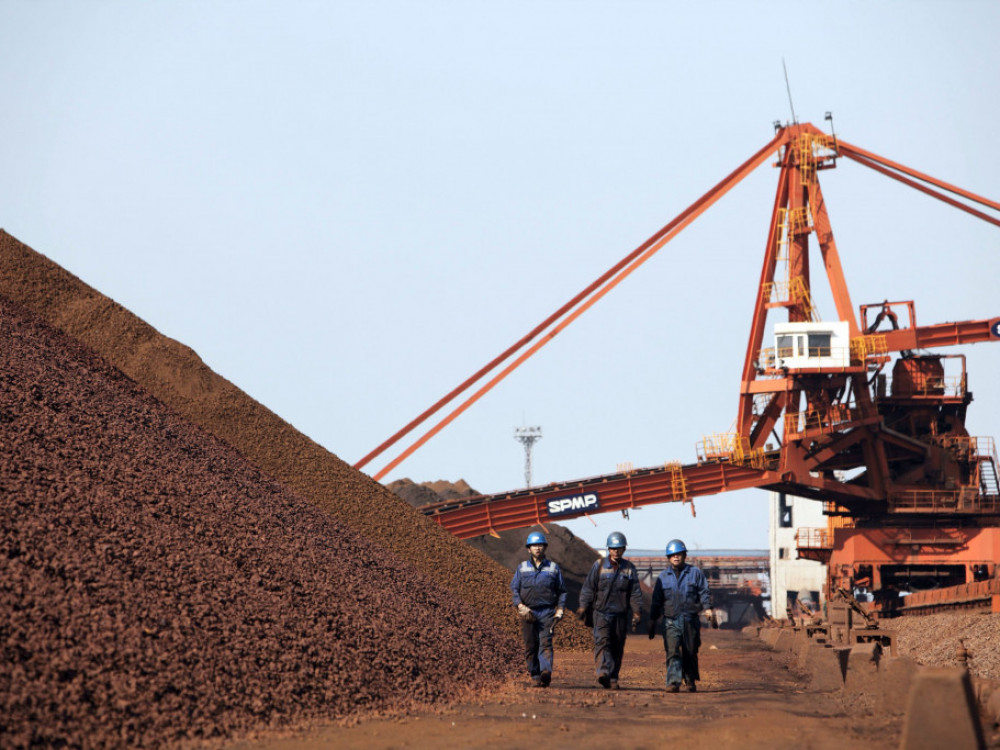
(748, 698)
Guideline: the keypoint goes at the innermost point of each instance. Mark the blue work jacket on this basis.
(683, 593)
(540, 587)
(612, 591)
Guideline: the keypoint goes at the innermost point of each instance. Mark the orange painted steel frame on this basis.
(834, 420)
(483, 514)
(788, 470)
(908, 546)
(931, 550)
(571, 310)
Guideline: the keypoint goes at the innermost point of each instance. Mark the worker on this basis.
(611, 597)
(540, 597)
(679, 596)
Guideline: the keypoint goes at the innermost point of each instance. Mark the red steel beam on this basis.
(862, 156)
(490, 513)
(597, 289)
(942, 334)
(480, 515)
(759, 318)
(871, 164)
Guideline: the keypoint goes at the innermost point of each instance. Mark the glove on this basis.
(635, 620)
(581, 613)
(559, 613)
(525, 612)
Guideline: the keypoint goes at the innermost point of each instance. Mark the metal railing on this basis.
(813, 539)
(810, 149)
(949, 386)
(791, 292)
(677, 484)
(869, 346)
(768, 357)
(730, 446)
(816, 420)
(966, 499)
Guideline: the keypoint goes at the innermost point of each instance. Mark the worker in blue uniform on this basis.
(611, 596)
(679, 597)
(540, 597)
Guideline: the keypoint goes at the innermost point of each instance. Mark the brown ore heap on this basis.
(158, 586)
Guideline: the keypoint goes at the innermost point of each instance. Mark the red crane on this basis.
(854, 412)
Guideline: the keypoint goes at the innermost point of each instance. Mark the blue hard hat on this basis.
(616, 539)
(675, 546)
(536, 537)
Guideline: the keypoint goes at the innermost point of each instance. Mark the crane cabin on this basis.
(799, 346)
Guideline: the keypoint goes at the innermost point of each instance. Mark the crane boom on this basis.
(873, 449)
(943, 334)
(473, 516)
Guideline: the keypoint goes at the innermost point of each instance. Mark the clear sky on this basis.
(347, 208)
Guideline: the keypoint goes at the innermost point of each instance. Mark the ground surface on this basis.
(748, 698)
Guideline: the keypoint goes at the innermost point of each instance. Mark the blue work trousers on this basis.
(610, 632)
(681, 640)
(537, 636)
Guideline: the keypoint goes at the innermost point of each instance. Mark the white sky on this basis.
(347, 208)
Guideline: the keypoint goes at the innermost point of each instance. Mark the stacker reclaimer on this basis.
(856, 413)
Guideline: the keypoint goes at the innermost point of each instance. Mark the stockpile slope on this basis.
(574, 555)
(175, 375)
(156, 587)
(934, 640)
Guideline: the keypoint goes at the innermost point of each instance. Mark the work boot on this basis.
(536, 682)
(546, 678)
(604, 681)
(691, 687)
(614, 684)
(673, 687)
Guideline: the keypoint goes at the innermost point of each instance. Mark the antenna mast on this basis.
(788, 88)
(527, 436)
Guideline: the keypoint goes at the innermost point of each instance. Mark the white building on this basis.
(791, 577)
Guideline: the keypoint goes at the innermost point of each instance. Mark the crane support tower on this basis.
(527, 436)
(859, 412)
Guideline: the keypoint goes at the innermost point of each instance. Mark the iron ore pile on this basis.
(151, 573)
(175, 375)
(935, 640)
(159, 584)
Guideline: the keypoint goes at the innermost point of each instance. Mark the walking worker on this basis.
(679, 596)
(540, 597)
(611, 596)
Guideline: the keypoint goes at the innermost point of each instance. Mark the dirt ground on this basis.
(748, 698)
